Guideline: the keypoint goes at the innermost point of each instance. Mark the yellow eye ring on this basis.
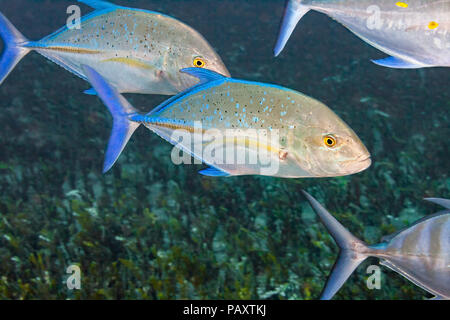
(199, 63)
(329, 141)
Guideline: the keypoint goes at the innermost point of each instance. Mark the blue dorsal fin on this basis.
(397, 63)
(204, 75)
(97, 4)
(214, 172)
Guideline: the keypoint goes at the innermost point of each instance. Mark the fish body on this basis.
(414, 33)
(420, 253)
(245, 119)
(147, 49)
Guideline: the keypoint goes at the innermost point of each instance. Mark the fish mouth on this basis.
(226, 73)
(222, 69)
(357, 165)
(363, 164)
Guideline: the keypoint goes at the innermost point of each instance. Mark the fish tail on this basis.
(14, 47)
(352, 250)
(294, 11)
(122, 112)
(442, 202)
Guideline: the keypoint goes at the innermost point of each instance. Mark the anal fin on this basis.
(90, 92)
(397, 63)
(213, 172)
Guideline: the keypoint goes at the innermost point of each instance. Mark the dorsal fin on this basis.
(97, 4)
(442, 202)
(204, 75)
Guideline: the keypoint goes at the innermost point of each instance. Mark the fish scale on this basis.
(249, 106)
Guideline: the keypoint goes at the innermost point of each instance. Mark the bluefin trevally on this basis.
(414, 33)
(138, 51)
(274, 131)
(420, 253)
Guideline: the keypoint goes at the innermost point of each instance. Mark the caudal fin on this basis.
(350, 256)
(121, 110)
(442, 202)
(294, 11)
(13, 47)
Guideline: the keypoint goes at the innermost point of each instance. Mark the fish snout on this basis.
(225, 72)
(220, 67)
(357, 165)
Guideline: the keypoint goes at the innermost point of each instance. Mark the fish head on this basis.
(325, 146)
(200, 56)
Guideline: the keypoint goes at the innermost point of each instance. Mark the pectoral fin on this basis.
(397, 63)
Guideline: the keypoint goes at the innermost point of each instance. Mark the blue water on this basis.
(151, 229)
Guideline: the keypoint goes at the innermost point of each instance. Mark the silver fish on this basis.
(420, 253)
(236, 117)
(147, 49)
(414, 33)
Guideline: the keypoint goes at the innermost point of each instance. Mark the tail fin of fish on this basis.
(350, 256)
(442, 202)
(121, 110)
(294, 11)
(14, 50)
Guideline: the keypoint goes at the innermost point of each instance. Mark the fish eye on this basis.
(199, 63)
(329, 141)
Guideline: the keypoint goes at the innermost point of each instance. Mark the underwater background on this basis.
(149, 229)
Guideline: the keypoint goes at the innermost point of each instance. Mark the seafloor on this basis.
(153, 230)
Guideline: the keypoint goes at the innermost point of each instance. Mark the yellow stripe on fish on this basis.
(70, 49)
(130, 62)
(245, 140)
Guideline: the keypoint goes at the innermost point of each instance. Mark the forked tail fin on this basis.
(14, 50)
(442, 202)
(121, 110)
(294, 11)
(353, 251)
